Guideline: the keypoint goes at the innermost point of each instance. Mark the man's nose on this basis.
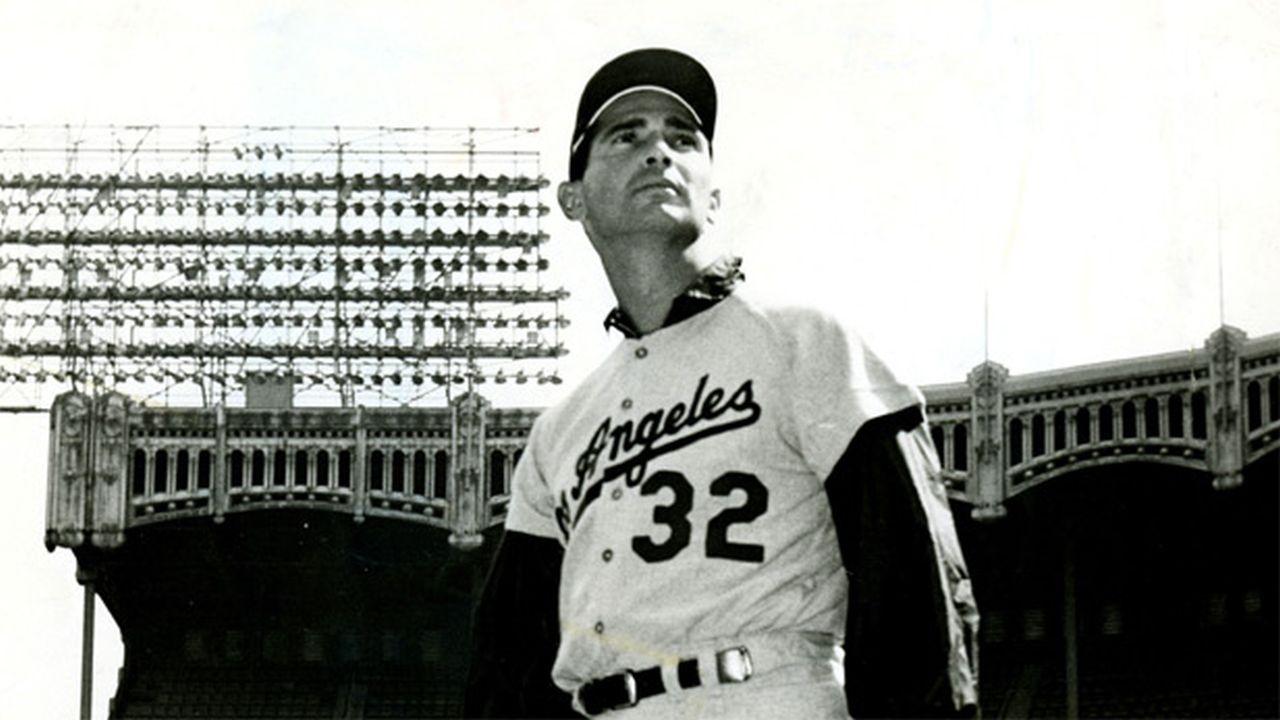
(659, 153)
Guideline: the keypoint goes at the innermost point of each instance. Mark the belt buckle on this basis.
(628, 679)
(633, 696)
(733, 665)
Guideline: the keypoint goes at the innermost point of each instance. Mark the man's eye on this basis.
(685, 141)
(626, 136)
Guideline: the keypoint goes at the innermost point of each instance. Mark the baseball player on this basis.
(739, 494)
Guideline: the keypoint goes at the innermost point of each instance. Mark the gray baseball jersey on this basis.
(684, 479)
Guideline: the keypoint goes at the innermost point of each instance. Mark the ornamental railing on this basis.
(115, 465)
(1214, 409)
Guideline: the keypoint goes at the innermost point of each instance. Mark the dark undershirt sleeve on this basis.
(516, 634)
(911, 628)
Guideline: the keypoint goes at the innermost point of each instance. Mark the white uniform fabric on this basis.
(684, 478)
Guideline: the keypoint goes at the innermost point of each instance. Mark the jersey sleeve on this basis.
(532, 507)
(839, 385)
(912, 624)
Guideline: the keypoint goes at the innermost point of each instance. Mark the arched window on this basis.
(419, 473)
(1060, 430)
(1037, 435)
(497, 473)
(960, 438)
(375, 470)
(162, 472)
(1151, 417)
(182, 472)
(139, 473)
(1199, 415)
(204, 469)
(344, 468)
(1254, 404)
(397, 471)
(1128, 420)
(440, 484)
(1015, 441)
(236, 461)
(322, 468)
(300, 467)
(279, 468)
(1082, 426)
(1106, 424)
(1175, 416)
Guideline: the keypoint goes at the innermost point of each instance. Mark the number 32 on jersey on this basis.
(676, 517)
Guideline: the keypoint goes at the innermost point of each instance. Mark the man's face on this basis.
(648, 170)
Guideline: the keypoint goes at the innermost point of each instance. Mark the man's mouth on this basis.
(660, 185)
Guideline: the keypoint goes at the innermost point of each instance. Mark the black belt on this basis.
(629, 687)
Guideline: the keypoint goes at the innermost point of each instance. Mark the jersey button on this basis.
(607, 555)
(642, 352)
(616, 494)
(599, 628)
(626, 404)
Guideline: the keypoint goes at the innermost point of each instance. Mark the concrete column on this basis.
(1264, 400)
(948, 458)
(1186, 415)
(1069, 627)
(150, 454)
(1163, 402)
(86, 647)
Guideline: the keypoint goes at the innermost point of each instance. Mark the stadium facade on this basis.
(1120, 522)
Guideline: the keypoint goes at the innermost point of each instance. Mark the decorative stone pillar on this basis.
(987, 472)
(1225, 446)
(468, 502)
(110, 481)
(69, 447)
(220, 487)
(359, 483)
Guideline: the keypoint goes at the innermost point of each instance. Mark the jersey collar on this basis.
(715, 283)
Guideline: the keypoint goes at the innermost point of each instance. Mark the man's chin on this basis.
(673, 218)
(669, 217)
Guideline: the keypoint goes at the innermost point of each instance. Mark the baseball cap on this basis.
(657, 69)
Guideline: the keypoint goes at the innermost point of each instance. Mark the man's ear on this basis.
(569, 193)
(713, 208)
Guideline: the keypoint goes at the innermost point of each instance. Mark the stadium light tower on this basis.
(368, 266)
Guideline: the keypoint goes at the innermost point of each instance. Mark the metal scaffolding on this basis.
(365, 266)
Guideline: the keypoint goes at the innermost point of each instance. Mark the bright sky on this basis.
(1080, 161)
